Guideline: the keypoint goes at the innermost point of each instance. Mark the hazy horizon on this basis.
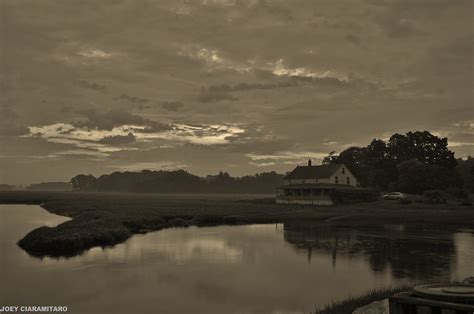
(242, 86)
(290, 167)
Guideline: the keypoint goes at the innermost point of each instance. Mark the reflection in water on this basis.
(415, 252)
(240, 269)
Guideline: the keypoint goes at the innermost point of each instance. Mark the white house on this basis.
(311, 185)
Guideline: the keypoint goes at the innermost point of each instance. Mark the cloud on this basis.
(10, 125)
(79, 153)
(173, 106)
(215, 94)
(354, 39)
(135, 137)
(92, 85)
(210, 57)
(397, 27)
(214, 134)
(286, 157)
(118, 139)
(108, 120)
(12, 129)
(280, 69)
(219, 2)
(263, 164)
(8, 113)
(460, 137)
(143, 107)
(94, 53)
(132, 99)
(158, 165)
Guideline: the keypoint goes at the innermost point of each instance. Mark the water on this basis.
(229, 269)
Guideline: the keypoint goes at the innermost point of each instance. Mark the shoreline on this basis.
(107, 219)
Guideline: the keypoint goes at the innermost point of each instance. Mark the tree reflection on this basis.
(416, 252)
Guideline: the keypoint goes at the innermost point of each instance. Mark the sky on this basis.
(242, 86)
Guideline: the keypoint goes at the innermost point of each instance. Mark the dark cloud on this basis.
(215, 94)
(260, 146)
(92, 85)
(119, 139)
(174, 106)
(262, 86)
(219, 92)
(10, 124)
(353, 39)
(132, 99)
(143, 107)
(397, 27)
(107, 120)
(66, 108)
(8, 113)
(378, 2)
(11, 129)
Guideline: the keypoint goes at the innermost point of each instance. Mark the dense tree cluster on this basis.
(178, 181)
(465, 168)
(413, 162)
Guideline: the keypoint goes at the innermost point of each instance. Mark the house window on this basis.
(348, 181)
(343, 170)
(336, 180)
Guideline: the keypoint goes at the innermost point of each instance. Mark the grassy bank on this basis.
(101, 219)
(349, 305)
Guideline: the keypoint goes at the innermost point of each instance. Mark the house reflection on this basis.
(416, 252)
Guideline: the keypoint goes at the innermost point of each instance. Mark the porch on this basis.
(307, 194)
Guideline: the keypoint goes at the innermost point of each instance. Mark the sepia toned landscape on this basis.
(236, 156)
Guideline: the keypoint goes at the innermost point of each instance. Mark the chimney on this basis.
(309, 162)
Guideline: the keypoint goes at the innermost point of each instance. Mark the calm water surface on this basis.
(243, 269)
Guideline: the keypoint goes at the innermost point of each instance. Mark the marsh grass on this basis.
(347, 306)
(104, 219)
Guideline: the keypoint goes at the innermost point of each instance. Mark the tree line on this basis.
(413, 163)
(178, 181)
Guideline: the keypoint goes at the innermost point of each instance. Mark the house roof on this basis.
(313, 172)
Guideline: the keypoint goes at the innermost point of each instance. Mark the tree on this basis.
(414, 176)
(417, 177)
(379, 164)
(178, 181)
(465, 170)
(371, 164)
(422, 146)
(83, 182)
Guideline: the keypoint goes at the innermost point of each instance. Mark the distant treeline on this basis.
(178, 181)
(413, 163)
(44, 186)
(50, 186)
(6, 187)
